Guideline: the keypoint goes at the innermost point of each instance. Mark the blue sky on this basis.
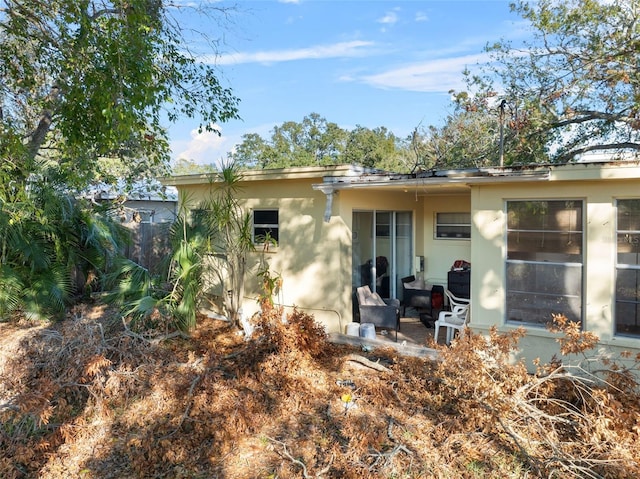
(369, 63)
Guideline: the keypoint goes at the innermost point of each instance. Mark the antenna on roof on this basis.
(502, 106)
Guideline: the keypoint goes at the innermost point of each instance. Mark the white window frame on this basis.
(463, 227)
(264, 226)
(536, 303)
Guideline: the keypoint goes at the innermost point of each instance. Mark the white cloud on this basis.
(390, 18)
(421, 17)
(209, 148)
(439, 75)
(204, 147)
(350, 49)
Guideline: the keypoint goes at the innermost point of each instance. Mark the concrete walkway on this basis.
(412, 338)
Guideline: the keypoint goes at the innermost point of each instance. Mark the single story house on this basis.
(540, 239)
(147, 210)
(148, 202)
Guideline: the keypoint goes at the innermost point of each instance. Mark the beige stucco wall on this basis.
(314, 256)
(489, 252)
(310, 255)
(441, 253)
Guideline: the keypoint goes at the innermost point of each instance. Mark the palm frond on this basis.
(47, 294)
(127, 282)
(11, 286)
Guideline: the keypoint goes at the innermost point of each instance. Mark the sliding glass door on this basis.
(382, 250)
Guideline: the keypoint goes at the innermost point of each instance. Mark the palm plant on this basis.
(51, 247)
(188, 240)
(230, 233)
(174, 292)
(216, 229)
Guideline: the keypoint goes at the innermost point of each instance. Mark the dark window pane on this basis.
(629, 248)
(529, 308)
(558, 215)
(628, 302)
(627, 276)
(453, 225)
(383, 230)
(627, 283)
(544, 260)
(628, 318)
(261, 217)
(544, 246)
(629, 215)
(265, 222)
(260, 233)
(554, 279)
(454, 232)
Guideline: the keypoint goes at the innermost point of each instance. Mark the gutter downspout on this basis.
(329, 192)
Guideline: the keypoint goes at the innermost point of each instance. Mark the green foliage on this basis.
(52, 246)
(85, 87)
(476, 134)
(190, 167)
(377, 148)
(188, 241)
(87, 81)
(252, 152)
(134, 290)
(229, 230)
(317, 142)
(312, 142)
(172, 296)
(216, 230)
(573, 89)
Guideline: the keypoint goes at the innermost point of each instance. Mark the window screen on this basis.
(544, 260)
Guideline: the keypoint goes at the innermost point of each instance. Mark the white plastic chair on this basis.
(453, 320)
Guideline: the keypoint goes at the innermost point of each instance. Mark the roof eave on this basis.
(454, 177)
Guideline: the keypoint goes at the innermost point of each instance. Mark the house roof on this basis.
(308, 172)
(151, 190)
(434, 181)
(445, 181)
(453, 181)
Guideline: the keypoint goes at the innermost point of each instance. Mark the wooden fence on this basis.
(149, 244)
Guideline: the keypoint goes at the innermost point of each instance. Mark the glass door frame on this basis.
(393, 233)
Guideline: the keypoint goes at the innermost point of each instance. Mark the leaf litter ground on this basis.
(89, 398)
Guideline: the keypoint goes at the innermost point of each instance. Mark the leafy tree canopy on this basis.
(86, 84)
(574, 88)
(183, 166)
(318, 142)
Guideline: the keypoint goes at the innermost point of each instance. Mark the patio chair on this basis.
(453, 320)
(382, 313)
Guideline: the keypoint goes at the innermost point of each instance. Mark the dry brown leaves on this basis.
(83, 398)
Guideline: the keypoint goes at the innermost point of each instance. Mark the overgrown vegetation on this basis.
(88, 398)
(571, 90)
(53, 248)
(85, 86)
(210, 240)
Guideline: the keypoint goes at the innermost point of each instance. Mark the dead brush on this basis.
(297, 331)
(215, 405)
(563, 421)
(60, 374)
